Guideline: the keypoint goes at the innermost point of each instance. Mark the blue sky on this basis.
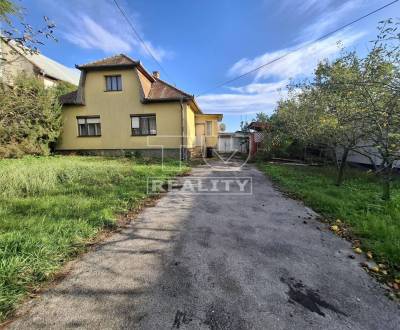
(203, 43)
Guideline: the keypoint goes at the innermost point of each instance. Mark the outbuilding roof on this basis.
(54, 69)
(46, 65)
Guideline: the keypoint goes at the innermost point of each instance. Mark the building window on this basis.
(209, 128)
(113, 83)
(143, 125)
(89, 126)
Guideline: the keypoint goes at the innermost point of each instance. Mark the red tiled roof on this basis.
(116, 60)
(162, 90)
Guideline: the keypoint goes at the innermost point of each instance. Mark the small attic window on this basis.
(113, 83)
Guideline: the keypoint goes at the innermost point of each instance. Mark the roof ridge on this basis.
(128, 57)
(108, 58)
(98, 60)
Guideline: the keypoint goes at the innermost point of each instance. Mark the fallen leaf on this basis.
(369, 255)
(395, 286)
(338, 221)
(397, 280)
(375, 269)
(384, 272)
(334, 228)
(358, 250)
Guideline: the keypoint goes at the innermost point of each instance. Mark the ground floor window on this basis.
(89, 126)
(143, 124)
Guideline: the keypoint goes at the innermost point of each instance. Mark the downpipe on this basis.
(183, 156)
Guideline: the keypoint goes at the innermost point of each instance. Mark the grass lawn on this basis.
(50, 207)
(357, 203)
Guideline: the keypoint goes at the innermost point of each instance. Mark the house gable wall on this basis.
(14, 64)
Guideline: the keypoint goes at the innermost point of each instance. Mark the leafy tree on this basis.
(382, 73)
(343, 105)
(352, 103)
(222, 127)
(63, 87)
(261, 117)
(7, 8)
(276, 140)
(27, 39)
(244, 126)
(301, 115)
(29, 118)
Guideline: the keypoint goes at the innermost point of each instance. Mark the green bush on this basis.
(29, 118)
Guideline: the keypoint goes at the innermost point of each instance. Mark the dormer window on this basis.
(113, 83)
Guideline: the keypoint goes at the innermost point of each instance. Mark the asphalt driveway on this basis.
(258, 261)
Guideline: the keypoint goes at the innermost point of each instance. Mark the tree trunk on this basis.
(386, 183)
(386, 190)
(339, 179)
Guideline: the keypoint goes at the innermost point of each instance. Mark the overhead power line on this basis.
(148, 50)
(298, 48)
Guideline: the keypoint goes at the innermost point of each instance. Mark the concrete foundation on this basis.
(153, 153)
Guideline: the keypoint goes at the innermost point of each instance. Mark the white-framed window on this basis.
(209, 128)
(89, 126)
(113, 83)
(144, 124)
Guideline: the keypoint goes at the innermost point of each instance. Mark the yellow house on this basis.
(119, 107)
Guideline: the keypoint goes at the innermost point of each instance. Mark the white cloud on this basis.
(258, 88)
(328, 20)
(158, 52)
(299, 63)
(250, 99)
(99, 25)
(303, 6)
(86, 33)
(263, 96)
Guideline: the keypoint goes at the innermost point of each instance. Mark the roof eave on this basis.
(70, 103)
(167, 99)
(143, 70)
(106, 67)
(193, 100)
(218, 115)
